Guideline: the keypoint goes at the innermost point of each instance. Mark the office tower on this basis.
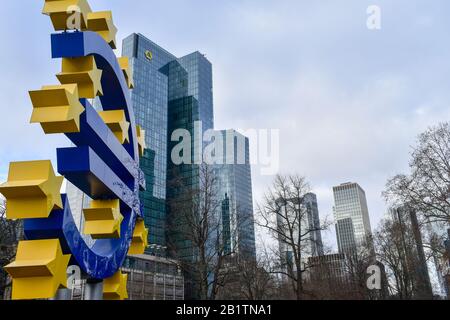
(412, 251)
(350, 203)
(150, 104)
(345, 234)
(310, 201)
(169, 94)
(307, 219)
(235, 193)
(190, 109)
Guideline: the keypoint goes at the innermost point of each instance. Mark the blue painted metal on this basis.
(86, 170)
(96, 134)
(99, 166)
(97, 261)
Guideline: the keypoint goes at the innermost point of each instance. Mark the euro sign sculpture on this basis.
(103, 164)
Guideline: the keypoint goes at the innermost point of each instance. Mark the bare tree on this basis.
(357, 260)
(197, 238)
(284, 214)
(427, 187)
(251, 280)
(9, 236)
(397, 250)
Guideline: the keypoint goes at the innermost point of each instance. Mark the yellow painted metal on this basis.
(32, 190)
(117, 122)
(140, 239)
(61, 13)
(57, 108)
(84, 72)
(103, 219)
(115, 288)
(124, 63)
(39, 270)
(141, 140)
(102, 23)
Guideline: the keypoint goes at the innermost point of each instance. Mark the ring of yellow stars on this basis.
(32, 190)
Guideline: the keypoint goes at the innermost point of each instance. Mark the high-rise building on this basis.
(412, 252)
(315, 237)
(350, 203)
(345, 234)
(235, 193)
(309, 224)
(150, 104)
(169, 94)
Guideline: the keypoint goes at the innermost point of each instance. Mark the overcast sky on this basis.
(349, 102)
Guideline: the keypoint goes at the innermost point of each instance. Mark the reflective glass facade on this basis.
(169, 94)
(235, 190)
(150, 104)
(350, 202)
(345, 234)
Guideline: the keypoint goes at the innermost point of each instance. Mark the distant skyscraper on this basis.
(310, 201)
(235, 192)
(350, 203)
(345, 234)
(413, 252)
(310, 224)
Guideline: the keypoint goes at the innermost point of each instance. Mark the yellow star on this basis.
(32, 190)
(115, 288)
(84, 72)
(118, 124)
(39, 270)
(127, 71)
(103, 219)
(62, 13)
(140, 239)
(57, 108)
(102, 23)
(141, 140)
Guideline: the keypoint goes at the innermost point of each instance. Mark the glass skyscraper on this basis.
(150, 104)
(350, 203)
(169, 93)
(235, 192)
(305, 225)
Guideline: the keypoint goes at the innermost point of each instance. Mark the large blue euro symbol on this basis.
(99, 165)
